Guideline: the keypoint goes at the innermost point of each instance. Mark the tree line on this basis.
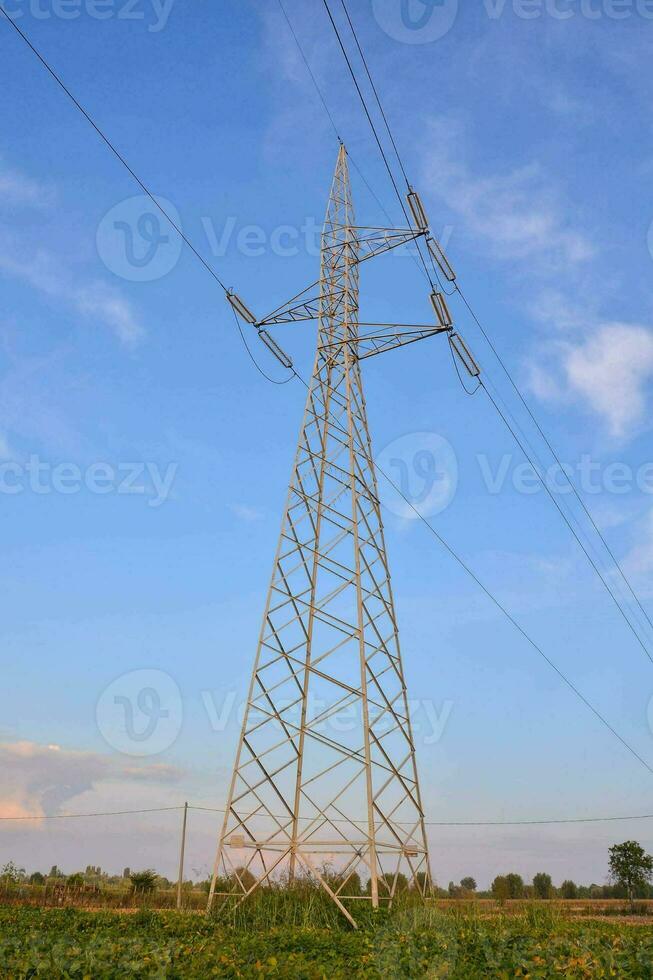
(631, 875)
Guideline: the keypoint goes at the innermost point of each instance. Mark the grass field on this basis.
(291, 940)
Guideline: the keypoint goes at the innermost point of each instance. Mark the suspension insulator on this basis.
(464, 355)
(240, 308)
(441, 309)
(417, 210)
(441, 259)
(275, 350)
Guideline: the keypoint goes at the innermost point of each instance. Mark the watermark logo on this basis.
(140, 713)
(135, 241)
(428, 719)
(592, 477)
(568, 9)
(42, 478)
(423, 469)
(415, 21)
(153, 13)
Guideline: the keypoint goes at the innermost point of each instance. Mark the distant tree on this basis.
(400, 886)
(354, 886)
(468, 884)
(143, 882)
(421, 881)
(501, 888)
(75, 881)
(10, 874)
(542, 885)
(515, 885)
(631, 867)
(37, 878)
(568, 889)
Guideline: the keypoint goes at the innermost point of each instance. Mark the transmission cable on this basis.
(215, 276)
(497, 602)
(140, 183)
(539, 473)
(376, 94)
(554, 453)
(111, 146)
(428, 823)
(325, 106)
(331, 118)
(253, 359)
(492, 346)
(550, 493)
(387, 126)
(374, 131)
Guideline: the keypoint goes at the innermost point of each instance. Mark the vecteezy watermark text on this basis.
(419, 476)
(141, 713)
(589, 475)
(40, 477)
(426, 21)
(136, 241)
(153, 13)
(428, 721)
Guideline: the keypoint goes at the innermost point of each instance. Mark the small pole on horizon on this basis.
(180, 880)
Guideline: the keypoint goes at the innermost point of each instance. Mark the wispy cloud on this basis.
(639, 561)
(36, 780)
(606, 368)
(518, 213)
(17, 189)
(589, 360)
(610, 371)
(246, 513)
(93, 300)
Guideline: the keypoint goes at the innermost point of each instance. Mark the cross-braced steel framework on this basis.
(325, 769)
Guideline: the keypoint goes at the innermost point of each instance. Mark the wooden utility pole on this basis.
(182, 850)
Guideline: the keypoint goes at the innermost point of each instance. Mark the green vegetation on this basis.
(282, 936)
(631, 867)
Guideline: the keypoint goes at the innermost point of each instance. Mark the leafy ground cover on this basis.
(410, 942)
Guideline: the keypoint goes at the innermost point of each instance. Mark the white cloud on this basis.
(607, 371)
(604, 366)
(93, 300)
(640, 560)
(246, 513)
(36, 780)
(17, 189)
(519, 212)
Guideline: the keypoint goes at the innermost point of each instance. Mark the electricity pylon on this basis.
(325, 770)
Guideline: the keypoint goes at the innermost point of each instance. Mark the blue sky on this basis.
(531, 142)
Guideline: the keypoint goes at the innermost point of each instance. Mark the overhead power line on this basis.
(111, 146)
(208, 268)
(503, 609)
(376, 94)
(564, 517)
(374, 130)
(105, 813)
(554, 453)
(429, 823)
(105, 139)
(540, 430)
(325, 106)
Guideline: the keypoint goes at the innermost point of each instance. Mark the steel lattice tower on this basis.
(325, 768)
